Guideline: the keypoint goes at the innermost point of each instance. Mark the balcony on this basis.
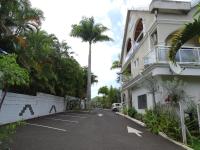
(186, 55)
(129, 54)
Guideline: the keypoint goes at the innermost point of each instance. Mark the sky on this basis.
(61, 14)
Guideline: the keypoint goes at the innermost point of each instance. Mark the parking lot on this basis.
(98, 130)
(49, 132)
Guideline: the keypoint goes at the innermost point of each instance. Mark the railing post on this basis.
(198, 52)
(156, 51)
(180, 58)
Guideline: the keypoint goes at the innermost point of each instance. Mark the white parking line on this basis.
(79, 114)
(64, 120)
(38, 125)
(73, 116)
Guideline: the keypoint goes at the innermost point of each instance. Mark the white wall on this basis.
(191, 88)
(140, 91)
(13, 108)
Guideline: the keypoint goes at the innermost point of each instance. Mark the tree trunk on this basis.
(89, 75)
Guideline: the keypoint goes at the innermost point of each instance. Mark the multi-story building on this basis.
(145, 49)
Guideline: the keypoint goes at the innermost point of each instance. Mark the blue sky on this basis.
(61, 14)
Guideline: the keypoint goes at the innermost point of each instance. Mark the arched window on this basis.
(138, 34)
(129, 45)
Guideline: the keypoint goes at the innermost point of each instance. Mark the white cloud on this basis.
(61, 14)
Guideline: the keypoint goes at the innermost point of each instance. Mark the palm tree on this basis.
(116, 65)
(189, 31)
(89, 32)
(16, 18)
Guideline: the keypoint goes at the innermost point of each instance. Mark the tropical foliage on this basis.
(6, 133)
(89, 32)
(11, 74)
(108, 96)
(189, 31)
(116, 65)
(49, 62)
(174, 90)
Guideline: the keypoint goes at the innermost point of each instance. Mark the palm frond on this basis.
(180, 38)
(197, 13)
(101, 38)
(115, 64)
(88, 31)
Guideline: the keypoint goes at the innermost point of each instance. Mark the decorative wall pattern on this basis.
(24, 109)
(21, 107)
(53, 107)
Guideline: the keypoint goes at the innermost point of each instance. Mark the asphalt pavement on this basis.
(97, 130)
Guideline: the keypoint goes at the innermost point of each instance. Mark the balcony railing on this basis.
(184, 55)
(129, 54)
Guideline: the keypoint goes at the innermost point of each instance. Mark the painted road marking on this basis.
(73, 116)
(100, 115)
(64, 120)
(39, 125)
(132, 130)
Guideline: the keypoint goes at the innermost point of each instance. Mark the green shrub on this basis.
(152, 121)
(170, 125)
(163, 121)
(132, 112)
(139, 116)
(5, 134)
(125, 110)
(194, 143)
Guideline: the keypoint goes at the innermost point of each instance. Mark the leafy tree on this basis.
(11, 74)
(114, 95)
(103, 90)
(189, 31)
(116, 65)
(89, 32)
(175, 90)
(110, 95)
(16, 17)
(52, 68)
(49, 62)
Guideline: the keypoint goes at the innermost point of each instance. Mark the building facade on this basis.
(144, 55)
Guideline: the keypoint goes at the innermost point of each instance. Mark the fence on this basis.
(21, 107)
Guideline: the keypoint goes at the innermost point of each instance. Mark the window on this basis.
(138, 34)
(142, 101)
(128, 47)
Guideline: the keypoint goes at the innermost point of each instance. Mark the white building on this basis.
(145, 48)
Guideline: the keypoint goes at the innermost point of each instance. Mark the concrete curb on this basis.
(135, 120)
(160, 133)
(175, 142)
